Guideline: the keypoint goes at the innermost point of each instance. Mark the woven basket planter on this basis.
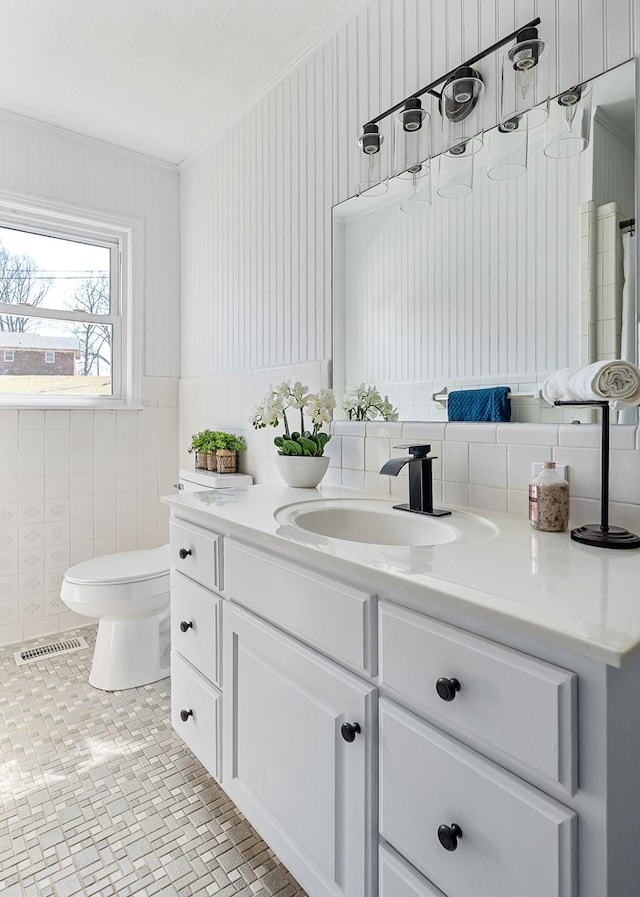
(226, 461)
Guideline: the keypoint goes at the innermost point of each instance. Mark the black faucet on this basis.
(420, 479)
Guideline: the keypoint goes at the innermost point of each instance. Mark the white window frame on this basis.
(49, 357)
(125, 238)
(9, 355)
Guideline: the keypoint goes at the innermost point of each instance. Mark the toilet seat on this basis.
(125, 567)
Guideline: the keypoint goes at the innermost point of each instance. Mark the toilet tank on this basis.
(197, 480)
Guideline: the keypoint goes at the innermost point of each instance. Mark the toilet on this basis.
(128, 593)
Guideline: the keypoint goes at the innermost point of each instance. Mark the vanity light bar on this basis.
(430, 88)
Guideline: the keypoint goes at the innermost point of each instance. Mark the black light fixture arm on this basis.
(469, 62)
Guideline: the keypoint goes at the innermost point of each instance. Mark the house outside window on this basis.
(69, 324)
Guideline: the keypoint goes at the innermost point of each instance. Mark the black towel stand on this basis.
(601, 534)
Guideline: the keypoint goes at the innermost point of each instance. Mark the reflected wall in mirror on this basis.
(516, 280)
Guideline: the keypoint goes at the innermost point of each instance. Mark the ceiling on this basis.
(161, 77)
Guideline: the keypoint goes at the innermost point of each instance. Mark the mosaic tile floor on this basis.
(99, 797)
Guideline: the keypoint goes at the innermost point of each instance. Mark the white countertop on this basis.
(585, 598)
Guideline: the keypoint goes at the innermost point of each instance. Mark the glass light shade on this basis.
(372, 163)
(524, 86)
(458, 107)
(420, 197)
(455, 178)
(569, 123)
(461, 93)
(412, 140)
(508, 147)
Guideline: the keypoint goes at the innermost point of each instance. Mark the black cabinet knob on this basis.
(349, 731)
(448, 835)
(184, 552)
(185, 714)
(447, 688)
(185, 627)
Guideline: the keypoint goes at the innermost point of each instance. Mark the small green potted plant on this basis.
(200, 446)
(227, 447)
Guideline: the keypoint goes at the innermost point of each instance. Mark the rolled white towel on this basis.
(618, 381)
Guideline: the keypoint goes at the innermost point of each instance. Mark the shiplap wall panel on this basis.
(257, 293)
(56, 165)
(501, 298)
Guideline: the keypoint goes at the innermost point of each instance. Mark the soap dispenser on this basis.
(549, 500)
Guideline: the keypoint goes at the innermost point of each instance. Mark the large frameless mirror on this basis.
(495, 268)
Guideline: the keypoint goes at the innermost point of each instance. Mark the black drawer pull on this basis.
(185, 627)
(184, 552)
(185, 714)
(448, 835)
(349, 731)
(447, 688)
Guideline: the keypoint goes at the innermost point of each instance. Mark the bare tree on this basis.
(20, 284)
(93, 296)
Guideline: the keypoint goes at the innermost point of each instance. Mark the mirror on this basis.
(518, 279)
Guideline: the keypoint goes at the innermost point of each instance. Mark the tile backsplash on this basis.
(488, 466)
(74, 485)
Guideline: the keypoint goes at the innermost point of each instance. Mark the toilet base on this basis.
(131, 652)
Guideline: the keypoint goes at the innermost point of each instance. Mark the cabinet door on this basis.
(307, 790)
(196, 713)
(507, 702)
(195, 626)
(513, 840)
(196, 552)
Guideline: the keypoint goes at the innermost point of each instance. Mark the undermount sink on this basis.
(377, 522)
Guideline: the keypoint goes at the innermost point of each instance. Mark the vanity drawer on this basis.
(196, 616)
(399, 879)
(508, 703)
(514, 839)
(334, 618)
(201, 729)
(196, 552)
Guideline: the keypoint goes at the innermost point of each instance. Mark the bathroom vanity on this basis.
(411, 720)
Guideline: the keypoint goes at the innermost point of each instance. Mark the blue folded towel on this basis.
(480, 404)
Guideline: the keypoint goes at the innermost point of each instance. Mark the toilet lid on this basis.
(127, 566)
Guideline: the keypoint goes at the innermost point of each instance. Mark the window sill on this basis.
(66, 403)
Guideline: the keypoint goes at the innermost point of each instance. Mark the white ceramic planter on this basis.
(302, 471)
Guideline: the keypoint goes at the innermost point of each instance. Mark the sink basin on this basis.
(377, 522)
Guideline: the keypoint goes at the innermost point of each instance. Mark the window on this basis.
(66, 309)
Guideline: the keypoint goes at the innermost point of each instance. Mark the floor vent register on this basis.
(41, 652)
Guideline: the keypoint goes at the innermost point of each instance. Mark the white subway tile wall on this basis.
(74, 485)
(482, 465)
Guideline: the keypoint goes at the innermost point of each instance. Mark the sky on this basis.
(65, 260)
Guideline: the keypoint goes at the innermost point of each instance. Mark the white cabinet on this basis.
(196, 713)
(299, 752)
(524, 751)
(196, 552)
(196, 641)
(504, 702)
(328, 615)
(460, 818)
(196, 615)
